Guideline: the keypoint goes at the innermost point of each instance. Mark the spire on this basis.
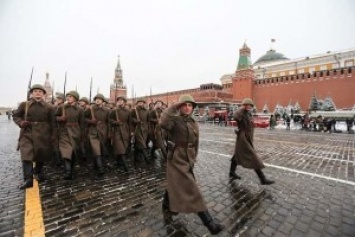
(118, 81)
(244, 58)
(47, 86)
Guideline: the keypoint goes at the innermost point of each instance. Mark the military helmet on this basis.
(85, 99)
(99, 96)
(248, 101)
(74, 94)
(187, 99)
(158, 101)
(121, 97)
(60, 95)
(39, 87)
(141, 100)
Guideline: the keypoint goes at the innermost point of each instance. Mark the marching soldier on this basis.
(183, 194)
(36, 120)
(245, 154)
(59, 101)
(84, 103)
(97, 118)
(158, 132)
(120, 123)
(70, 117)
(139, 117)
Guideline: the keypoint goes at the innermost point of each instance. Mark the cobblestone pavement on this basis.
(313, 195)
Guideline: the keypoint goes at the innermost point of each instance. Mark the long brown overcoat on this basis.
(159, 133)
(183, 131)
(139, 117)
(98, 134)
(36, 140)
(121, 131)
(244, 152)
(71, 131)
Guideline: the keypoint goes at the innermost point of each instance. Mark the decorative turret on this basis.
(117, 88)
(244, 58)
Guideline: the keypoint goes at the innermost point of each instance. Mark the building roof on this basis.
(270, 56)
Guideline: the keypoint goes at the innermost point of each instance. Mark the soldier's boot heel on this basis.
(208, 221)
(27, 184)
(263, 179)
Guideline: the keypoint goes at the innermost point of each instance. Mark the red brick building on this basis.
(276, 80)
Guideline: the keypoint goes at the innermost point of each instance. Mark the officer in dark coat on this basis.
(245, 154)
(36, 120)
(70, 117)
(183, 194)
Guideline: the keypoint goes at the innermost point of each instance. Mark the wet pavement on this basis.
(314, 193)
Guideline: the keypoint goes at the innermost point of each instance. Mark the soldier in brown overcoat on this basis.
(36, 120)
(139, 116)
(245, 154)
(60, 98)
(97, 119)
(70, 117)
(183, 194)
(158, 133)
(120, 119)
(85, 146)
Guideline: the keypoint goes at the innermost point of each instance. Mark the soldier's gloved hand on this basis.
(24, 124)
(116, 123)
(61, 118)
(92, 121)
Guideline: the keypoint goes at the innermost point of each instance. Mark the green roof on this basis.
(271, 56)
(244, 63)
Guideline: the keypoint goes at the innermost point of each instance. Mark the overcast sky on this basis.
(165, 45)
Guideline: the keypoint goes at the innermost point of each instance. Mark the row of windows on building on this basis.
(347, 63)
(303, 76)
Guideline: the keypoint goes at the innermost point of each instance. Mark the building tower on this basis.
(47, 86)
(117, 88)
(242, 79)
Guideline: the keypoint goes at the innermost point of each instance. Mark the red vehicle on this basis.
(261, 121)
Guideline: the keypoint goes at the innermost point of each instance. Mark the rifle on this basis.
(65, 83)
(53, 93)
(29, 86)
(26, 109)
(90, 90)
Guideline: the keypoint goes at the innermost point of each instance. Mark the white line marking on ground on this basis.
(289, 169)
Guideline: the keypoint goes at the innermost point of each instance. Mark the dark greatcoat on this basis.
(121, 132)
(139, 117)
(98, 134)
(36, 140)
(71, 131)
(244, 152)
(183, 131)
(159, 133)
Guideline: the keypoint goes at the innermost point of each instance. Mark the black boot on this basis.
(145, 155)
(38, 174)
(208, 221)
(165, 204)
(124, 163)
(28, 174)
(263, 179)
(56, 158)
(233, 167)
(100, 168)
(68, 171)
